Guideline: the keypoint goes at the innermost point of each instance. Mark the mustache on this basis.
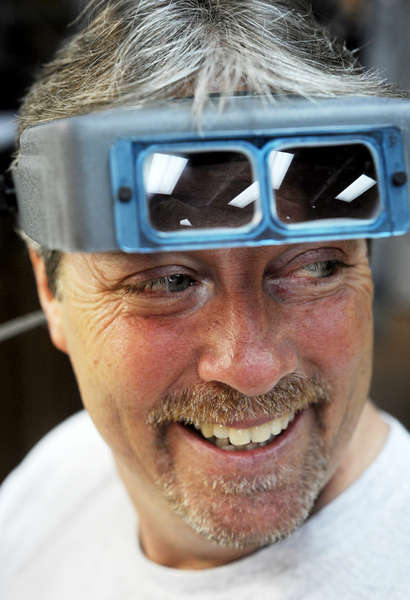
(219, 403)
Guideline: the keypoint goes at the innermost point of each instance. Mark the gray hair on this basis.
(135, 52)
(139, 51)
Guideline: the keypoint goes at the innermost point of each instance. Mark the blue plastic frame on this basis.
(135, 234)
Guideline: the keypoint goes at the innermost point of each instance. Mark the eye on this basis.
(173, 284)
(321, 269)
(178, 282)
(306, 278)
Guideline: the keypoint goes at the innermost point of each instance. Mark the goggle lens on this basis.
(199, 190)
(324, 182)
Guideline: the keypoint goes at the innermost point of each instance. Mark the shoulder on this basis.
(398, 442)
(391, 477)
(62, 456)
(54, 493)
(376, 520)
(386, 482)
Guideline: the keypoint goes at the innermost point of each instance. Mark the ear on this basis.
(51, 306)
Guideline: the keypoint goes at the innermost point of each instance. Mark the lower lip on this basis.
(274, 449)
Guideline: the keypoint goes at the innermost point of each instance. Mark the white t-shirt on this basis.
(68, 531)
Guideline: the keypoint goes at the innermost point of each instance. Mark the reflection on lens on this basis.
(199, 190)
(324, 182)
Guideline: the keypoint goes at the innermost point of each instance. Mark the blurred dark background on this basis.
(38, 389)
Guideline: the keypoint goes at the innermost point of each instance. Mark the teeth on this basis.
(221, 443)
(262, 432)
(220, 432)
(241, 437)
(277, 426)
(207, 430)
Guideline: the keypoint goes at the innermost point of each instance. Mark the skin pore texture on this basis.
(232, 337)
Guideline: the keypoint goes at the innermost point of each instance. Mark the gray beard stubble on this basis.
(217, 403)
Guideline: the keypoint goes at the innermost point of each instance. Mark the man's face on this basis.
(234, 338)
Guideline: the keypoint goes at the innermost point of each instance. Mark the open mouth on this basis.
(232, 438)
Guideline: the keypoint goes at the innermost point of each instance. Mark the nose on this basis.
(246, 348)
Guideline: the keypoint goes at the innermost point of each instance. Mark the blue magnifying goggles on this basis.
(257, 173)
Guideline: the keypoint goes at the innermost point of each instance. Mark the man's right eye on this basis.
(169, 284)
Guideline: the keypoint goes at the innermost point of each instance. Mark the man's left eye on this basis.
(321, 269)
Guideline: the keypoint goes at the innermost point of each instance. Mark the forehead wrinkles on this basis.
(218, 403)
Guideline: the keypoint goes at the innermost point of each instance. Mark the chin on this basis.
(246, 514)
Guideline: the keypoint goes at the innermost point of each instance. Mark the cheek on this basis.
(128, 364)
(336, 341)
(122, 370)
(337, 333)
(150, 355)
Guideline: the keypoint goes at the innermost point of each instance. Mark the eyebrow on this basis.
(135, 260)
(142, 261)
